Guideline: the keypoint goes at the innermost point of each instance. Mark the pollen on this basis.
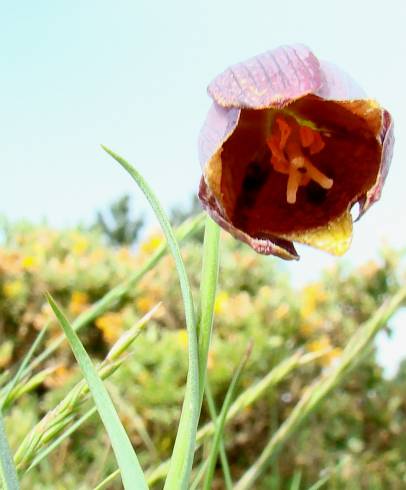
(292, 146)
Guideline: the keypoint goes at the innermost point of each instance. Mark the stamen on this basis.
(286, 143)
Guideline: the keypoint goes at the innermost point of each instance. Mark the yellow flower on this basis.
(182, 338)
(151, 243)
(6, 353)
(80, 245)
(30, 263)
(144, 303)
(307, 329)
(12, 289)
(323, 346)
(281, 311)
(78, 302)
(59, 377)
(111, 325)
(312, 296)
(220, 302)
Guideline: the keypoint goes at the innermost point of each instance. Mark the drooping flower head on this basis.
(289, 145)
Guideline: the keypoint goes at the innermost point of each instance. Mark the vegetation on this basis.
(355, 441)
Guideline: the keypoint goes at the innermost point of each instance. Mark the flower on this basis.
(289, 145)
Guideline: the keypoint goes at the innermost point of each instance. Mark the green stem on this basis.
(208, 287)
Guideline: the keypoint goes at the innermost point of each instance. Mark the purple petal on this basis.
(266, 246)
(388, 140)
(219, 125)
(337, 84)
(274, 78)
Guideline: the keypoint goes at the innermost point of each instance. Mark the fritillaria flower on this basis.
(289, 146)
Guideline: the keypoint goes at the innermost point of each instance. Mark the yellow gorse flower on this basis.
(151, 243)
(78, 302)
(13, 289)
(312, 296)
(111, 326)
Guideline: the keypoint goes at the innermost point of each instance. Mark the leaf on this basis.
(8, 472)
(220, 423)
(183, 452)
(131, 472)
(19, 374)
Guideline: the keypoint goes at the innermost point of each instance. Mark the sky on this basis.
(132, 75)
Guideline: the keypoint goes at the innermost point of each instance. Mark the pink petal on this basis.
(388, 140)
(337, 84)
(218, 126)
(274, 78)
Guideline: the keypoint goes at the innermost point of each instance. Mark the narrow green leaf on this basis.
(220, 423)
(223, 456)
(200, 474)
(295, 483)
(107, 480)
(208, 287)
(127, 460)
(8, 471)
(19, 374)
(318, 391)
(183, 452)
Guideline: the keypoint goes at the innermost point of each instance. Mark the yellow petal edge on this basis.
(334, 238)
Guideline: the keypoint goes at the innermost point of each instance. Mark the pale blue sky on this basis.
(133, 75)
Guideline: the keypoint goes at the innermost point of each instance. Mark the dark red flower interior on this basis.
(254, 193)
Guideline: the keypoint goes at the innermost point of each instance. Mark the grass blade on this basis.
(8, 472)
(131, 472)
(316, 393)
(228, 482)
(183, 452)
(19, 374)
(220, 423)
(107, 480)
(55, 443)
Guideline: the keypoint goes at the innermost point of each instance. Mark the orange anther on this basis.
(287, 143)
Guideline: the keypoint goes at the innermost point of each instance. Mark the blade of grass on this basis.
(8, 470)
(107, 480)
(200, 473)
(295, 483)
(27, 358)
(220, 422)
(131, 472)
(184, 448)
(327, 477)
(318, 391)
(58, 441)
(187, 229)
(223, 456)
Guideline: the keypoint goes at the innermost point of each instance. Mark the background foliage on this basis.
(358, 436)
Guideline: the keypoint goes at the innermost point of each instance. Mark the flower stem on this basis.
(208, 286)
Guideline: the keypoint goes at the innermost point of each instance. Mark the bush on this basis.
(360, 428)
